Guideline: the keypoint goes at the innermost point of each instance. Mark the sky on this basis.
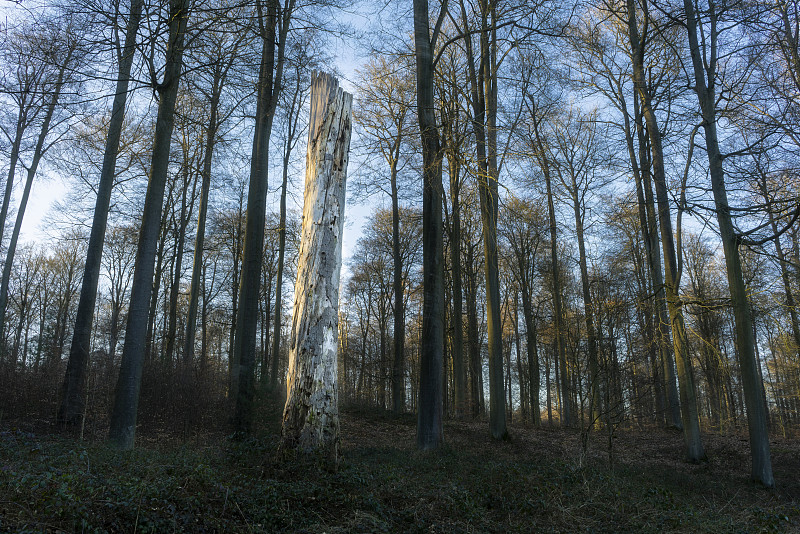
(50, 188)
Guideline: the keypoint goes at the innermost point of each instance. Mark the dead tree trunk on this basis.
(311, 414)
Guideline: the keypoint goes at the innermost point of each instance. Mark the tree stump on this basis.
(311, 414)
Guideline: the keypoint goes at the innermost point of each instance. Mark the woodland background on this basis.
(587, 278)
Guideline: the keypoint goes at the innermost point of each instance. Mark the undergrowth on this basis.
(50, 483)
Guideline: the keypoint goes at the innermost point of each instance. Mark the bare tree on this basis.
(126, 400)
(73, 391)
(429, 411)
(704, 26)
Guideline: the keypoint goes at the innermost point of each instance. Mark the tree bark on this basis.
(483, 94)
(276, 335)
(73, 390)
(269, 86)
(399, 338)
(291, 139)
(745, 342)
(187, 206)
(459, 366)
(202, 216)
(429, 411)
(122, 432)
(311, 414)
(566, 416)
(594, 375)
(690, 418)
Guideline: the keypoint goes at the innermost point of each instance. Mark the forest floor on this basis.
(541, 480)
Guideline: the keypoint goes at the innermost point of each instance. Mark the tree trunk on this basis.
(269, 86)
(429, 404)
(199, 242)
(566, 416)
(276, 335)
(73, 390)
(311, 415)
(22, 122)
(483, 92)
(690, 418)
(473, 341)
(745, 343)
(594, 375)
(459, 365)
(399, 364)
(187, 206)
(126, 400)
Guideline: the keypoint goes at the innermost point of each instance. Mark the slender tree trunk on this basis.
(523, 389)
(399, 367)
(429, 406)
(483, 93)
(202, 216)
(233, 365)
(187, 206)
(662, 314)
(73, 391)
(126, 400)
(594, 375)
(311, 415)
(473, 341)
(22, 122)
(649, 221)
(291, 137)
(654, 335)
(566, 415)
(690, 417)
(745, 343)
(38, 152)
(459, 365)
(276, 335)
(269, 86)
(532, 353)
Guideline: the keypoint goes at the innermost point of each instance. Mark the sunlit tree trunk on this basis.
(311, 415)
(483, 92)
(690, 417)
(667, 358)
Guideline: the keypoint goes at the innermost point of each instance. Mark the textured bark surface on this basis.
(431, 358)
(311, 414)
